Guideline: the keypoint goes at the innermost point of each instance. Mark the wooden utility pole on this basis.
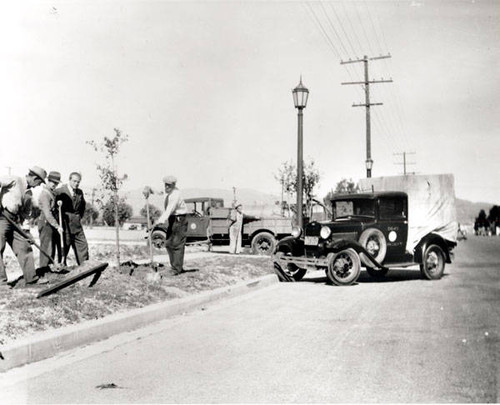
(404, 163)
(367, 104)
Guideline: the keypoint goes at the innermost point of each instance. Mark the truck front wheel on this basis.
(263, 243)
(432, 267)
(344, 267)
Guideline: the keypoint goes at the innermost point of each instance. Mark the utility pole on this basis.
(9, 168)
(234, 197)
(404, 163)
(367, 104)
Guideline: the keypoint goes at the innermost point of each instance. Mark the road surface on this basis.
(401, 340)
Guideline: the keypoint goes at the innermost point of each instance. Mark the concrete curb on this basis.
(51, 343)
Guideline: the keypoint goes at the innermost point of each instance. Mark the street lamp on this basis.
(300, 95)
(369, 165)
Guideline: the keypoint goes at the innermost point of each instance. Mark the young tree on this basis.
(111, 182)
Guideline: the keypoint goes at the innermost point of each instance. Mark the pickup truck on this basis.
(208, 222)
(375, 230)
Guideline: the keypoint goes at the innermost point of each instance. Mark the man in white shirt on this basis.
(174, 223)
(14, 198)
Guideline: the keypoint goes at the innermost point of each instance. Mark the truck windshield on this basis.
(346, 208)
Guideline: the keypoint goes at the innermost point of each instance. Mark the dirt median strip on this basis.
(55, 341)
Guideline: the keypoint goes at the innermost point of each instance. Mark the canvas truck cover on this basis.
(431, 203)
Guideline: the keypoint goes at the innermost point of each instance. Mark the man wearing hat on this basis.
(174, 222)
(235, 229)
(73, 208)
(15, 196)
(48, 227)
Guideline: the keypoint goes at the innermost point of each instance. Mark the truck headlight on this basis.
(325, 232)
(296, 231)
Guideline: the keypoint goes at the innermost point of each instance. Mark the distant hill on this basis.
(259, 203)
(467, 211)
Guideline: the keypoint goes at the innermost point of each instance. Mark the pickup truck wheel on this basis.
(263, 243)
(377, 273)
(373, 240)
(344, 267)
(433, 261)
(288, 272)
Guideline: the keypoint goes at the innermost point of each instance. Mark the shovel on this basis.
(61, 235)
(30, 239)
(146, 194)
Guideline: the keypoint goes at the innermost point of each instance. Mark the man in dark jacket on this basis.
(73, 208)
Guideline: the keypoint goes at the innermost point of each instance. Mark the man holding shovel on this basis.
(49, 229)
(73, 208)
(13, 200)
(174, 222)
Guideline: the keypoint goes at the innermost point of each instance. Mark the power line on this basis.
(405, 162)
(367, 104)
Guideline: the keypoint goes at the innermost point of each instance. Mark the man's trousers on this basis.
(176, 241)
(20, 246)
(50, 244)
(78, 242)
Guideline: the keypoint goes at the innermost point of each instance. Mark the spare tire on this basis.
(373, 240)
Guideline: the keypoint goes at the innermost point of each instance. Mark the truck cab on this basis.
(208, 222)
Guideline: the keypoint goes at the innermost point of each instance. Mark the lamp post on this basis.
(300, 95)
(369, 165)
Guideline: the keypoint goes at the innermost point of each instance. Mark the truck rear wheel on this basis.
(263, 243)
(287, 272)
(344, 267)
(373, 240)
(433, 261)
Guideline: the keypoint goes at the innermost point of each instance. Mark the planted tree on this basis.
(111, 182)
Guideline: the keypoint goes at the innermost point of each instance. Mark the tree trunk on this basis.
(117, 229)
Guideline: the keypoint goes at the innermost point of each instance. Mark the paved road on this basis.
(402, 340)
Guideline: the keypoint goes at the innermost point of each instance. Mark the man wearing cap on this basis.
(235, 229)
(174, 222)
(14, 198)
(48, 227)
(73, 208)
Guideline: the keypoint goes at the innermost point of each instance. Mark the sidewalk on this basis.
(50, 343)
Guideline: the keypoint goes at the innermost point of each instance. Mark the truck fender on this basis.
(290, 244)
(338, 245)
(431, 239)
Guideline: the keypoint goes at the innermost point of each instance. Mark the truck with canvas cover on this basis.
(395, 222)
(208, 222)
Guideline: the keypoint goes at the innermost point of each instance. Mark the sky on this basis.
(203, 89)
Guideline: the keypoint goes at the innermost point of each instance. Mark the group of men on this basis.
(16, 202)
(61, 209)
